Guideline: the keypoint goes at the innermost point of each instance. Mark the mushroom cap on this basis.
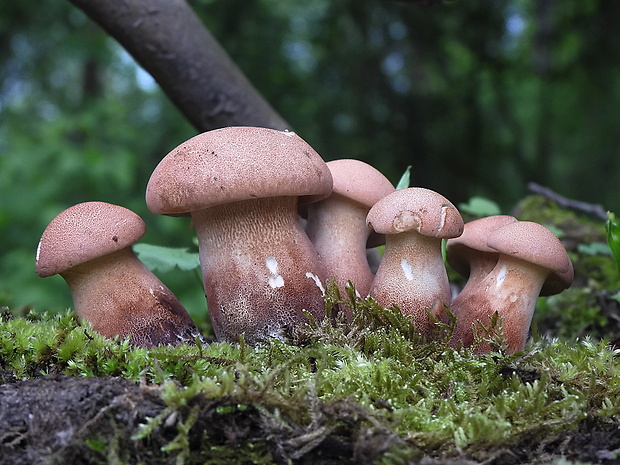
(83, 232)
(474, 238)
(233, 164)
(534, 243)
(417, 209)
(359, 181)
(557, 282)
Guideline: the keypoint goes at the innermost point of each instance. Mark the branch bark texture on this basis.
(171, 43)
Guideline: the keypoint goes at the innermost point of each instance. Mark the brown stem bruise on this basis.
(260, 269)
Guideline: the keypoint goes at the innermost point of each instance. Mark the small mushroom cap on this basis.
(416, 209)
(83, 232)
(474, 238)
(533, 243)
(359, 181)
(234, 164)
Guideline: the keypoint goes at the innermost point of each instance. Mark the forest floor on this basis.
(367, 393)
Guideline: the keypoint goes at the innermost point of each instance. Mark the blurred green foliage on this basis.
(478, 97)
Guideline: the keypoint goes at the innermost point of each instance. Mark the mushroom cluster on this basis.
(274, 223)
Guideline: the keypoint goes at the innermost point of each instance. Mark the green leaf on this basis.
(613, 236)
(405, 179)
(594, 248)
(163, 259)
(479, 206)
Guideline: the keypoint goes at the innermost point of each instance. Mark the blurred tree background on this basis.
(479, 97)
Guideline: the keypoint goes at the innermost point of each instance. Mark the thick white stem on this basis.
(260, 270)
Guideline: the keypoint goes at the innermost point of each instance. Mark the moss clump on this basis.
(369, 392)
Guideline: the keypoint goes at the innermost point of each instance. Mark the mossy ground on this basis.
(369, 392)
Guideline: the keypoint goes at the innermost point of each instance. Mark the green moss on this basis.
(372, 386)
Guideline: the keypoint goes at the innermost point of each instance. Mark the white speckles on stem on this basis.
(275, 280)
(317, 281)
(407, 269)
(500, 277)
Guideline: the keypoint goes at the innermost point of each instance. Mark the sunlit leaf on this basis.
(163, 259)
(405, 179)
(480, 206)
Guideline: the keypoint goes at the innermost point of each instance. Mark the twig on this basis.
(592, 209)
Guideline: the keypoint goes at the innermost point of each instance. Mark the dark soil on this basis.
(62, 419)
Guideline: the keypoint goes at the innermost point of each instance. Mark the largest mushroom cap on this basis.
(416, 209)
(234, 164)
(83, 232)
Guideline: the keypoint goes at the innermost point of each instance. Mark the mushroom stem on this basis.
(145, 310)
(260, 270)
(338, 230)
(510, 289)
(413, 270)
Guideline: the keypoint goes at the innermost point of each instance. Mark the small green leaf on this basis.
(405, 179)
(613, 236)
(163, 259)
(594, 248)
(479, 206)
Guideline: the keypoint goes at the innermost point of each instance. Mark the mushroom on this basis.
(241, 186)
(530, 256)
(337, 225)
(412, 274)
(469, 255)
(89, 245)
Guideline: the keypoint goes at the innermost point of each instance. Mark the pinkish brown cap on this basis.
(83, 232)
(533, 243)
(359, 181)
(234, 164)
(416, 209)
(474, 239)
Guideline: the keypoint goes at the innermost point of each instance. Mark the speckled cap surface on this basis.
(234, 164)
(359, 181)
(83, 232)
(416, 209)
(474, 237)
(531, 242)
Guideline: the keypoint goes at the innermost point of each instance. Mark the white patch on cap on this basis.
(275, 280)
(407, 269)
(38, 251)
(286, 132)
(442, 218)
(317, 281)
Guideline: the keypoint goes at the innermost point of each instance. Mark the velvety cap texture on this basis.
(416, 209)
(234, 164)
(83, 232)
(358, 181)
(474, 238)
(533, 243)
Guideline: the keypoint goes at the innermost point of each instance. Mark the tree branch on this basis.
(170, 42)
(592, 209)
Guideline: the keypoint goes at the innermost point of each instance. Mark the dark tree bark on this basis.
(171, 43)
